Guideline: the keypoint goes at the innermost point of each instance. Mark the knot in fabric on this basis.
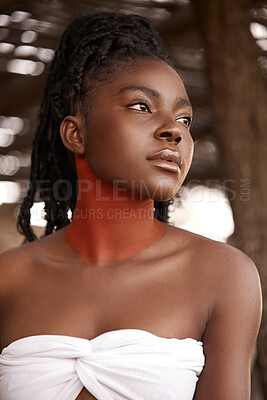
(124, 364)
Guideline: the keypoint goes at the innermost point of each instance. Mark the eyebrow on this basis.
(184, 102)
(148, 91)
(181, 101)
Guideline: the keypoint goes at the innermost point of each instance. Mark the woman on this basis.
(117, 304)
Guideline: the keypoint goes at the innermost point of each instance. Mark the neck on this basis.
(108, 224)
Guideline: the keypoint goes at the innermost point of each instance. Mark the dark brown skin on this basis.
(183, 286)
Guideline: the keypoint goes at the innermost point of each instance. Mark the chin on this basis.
(163, 197)
(164, 190)
(159, 192)
(159, 189)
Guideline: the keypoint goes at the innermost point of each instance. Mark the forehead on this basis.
(148, 73)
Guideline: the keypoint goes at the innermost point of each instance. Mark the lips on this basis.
(170, 159)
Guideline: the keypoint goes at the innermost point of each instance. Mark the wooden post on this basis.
(239, 103)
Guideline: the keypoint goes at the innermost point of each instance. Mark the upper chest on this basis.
(167, 295)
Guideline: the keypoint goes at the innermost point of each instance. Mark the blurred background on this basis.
(220, 49)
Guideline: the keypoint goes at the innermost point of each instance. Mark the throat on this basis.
(108, 223)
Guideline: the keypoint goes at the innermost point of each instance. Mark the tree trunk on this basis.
(240, 120)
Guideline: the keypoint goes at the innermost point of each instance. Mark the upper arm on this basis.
(12, 262)
(231, 332)
(12, 268)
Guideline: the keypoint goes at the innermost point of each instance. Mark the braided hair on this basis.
(91, 47)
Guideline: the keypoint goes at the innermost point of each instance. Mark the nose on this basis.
(169, 131)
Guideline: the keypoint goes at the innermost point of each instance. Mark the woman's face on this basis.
(138, 112)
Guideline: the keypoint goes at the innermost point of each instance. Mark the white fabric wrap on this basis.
(124, 364)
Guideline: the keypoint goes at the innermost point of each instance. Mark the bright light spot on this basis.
(69, 214)
(29, 36)
(259, 31)
(25, 51)
(262, 61)
(30, 24)
(15, 123)
(6, 131)
(3, 33)
(19, 16)
(11, 125)
(6, 47)
(45, 55)
(9, 192)
(205, 211)
(3, 192)
(262, 43)
(37, 214)
(44, 26)
(6, 139)
(23, 158)
(259, 12)
(39, 68)
(4, 20)
(25, 67)
(9, 165)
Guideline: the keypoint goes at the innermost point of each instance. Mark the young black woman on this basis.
(117, 304)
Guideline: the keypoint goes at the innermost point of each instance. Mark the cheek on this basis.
(188, 151)
(113, 145)
(119, 132)
(101, 138)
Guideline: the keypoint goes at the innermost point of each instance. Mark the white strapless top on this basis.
(126, 364)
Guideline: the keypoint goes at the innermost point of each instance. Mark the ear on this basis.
(70, 132)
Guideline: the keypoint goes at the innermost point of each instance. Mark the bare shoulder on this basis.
(30, 257)
(19, 262)
(228, 278)
(19, 255)
(14, 258)
(231, 268)
(13, 265)
(220, 261)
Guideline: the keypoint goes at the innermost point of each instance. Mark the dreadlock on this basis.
(91, 47)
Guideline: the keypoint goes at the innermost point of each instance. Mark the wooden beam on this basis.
(18, 91)
(5, 4)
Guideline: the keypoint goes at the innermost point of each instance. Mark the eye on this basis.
(139, 106)
(185, 120)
